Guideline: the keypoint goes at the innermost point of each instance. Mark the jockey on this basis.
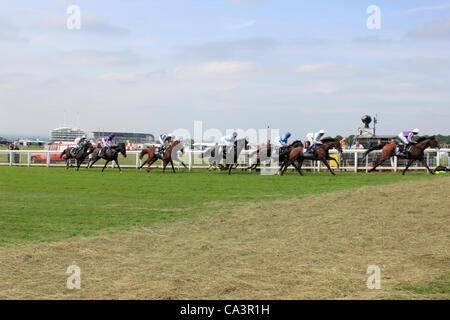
(229, 140)
(165, 140)
(80, 141)
(282, 141)
(314, 139)
(407, 137)
(107, 143)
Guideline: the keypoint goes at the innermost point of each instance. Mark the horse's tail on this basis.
(377, 147)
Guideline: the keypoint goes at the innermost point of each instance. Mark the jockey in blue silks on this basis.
(282, 141)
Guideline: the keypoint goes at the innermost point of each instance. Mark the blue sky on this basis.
(155, 66)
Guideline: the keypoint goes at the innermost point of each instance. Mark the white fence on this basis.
(351, 160)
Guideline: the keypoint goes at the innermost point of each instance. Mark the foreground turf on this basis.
(50, 204)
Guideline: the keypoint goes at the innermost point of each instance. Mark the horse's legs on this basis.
(106, 163)
(78, 164)
(93, 161)
(165, 163)
(118, 166)
(426, 166)
(296, 167)
(328, 166)
(182, 163)
(329, 158)
(171, 163)
(410, 162)
(300, 163)
(143, 164)
(230, 168)
(150, 162)
(379, 163)
(284, 166)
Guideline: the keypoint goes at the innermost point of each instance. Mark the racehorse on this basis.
(239, 145)
(215, 156)
(321, 153)
(81, 154)
(282, 155)
(415, 153)
(169, 155)
(110, 154)
(219, 153)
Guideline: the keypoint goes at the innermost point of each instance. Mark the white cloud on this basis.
(326, 68)
(428, 8)
(434, 30)
(216, 69)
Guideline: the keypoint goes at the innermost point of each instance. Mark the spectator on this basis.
(357, 145)
(344, 144)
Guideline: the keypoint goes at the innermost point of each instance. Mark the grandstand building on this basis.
(138, 138)
(66, 134)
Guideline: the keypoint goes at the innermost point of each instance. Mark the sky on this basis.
(155, 66)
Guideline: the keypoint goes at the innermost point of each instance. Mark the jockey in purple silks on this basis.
(407, 137)
(107, 143)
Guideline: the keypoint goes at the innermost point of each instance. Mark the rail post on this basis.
(28, 158)
(438, 160)
(48, 159)
(137, 161)
(356, 161)
(367, 164)
(10, 158)
(191, 153)
(395, 164)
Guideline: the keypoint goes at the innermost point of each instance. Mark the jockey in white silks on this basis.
(314, 139)
(80, 141)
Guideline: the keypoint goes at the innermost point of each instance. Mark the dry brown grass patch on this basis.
(317, 247)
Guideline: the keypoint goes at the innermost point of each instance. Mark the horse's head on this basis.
(123, 149)
(332, 144)
(434, 143)
(428, 142)
(179, 145)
